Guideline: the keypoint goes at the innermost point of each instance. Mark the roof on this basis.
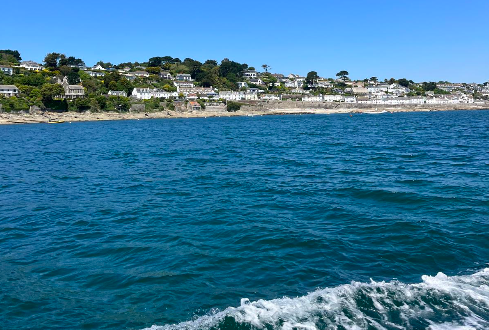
(5, 66)
(8, 87)
(75, 87)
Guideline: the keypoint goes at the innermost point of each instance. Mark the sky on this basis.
(419, 40)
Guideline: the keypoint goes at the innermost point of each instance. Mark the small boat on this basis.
(56, 122)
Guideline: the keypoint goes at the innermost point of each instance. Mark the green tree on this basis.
(73, 78)
(14, 53)
(312, 78)
(51, 60)
(50, 91)
(343, 75)
(403, 82)
(266, 67)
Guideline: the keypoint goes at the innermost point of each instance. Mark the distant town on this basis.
(65, 83)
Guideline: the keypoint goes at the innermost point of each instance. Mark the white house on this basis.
(256, 81)
(238, 96)
(31, 65)
(250, 74)
(271, 97)
(183, 77)
(312, 98)
(148, 93)
(165, 75)
(118, 93)
(397, 89)
(350, 99)
(141, 74)
(9, 90)
(333, 98)
(242, 84)
(95, 73)
(183, 84)
(98, 67)
(6, 70)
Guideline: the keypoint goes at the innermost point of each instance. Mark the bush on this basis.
(233, 106)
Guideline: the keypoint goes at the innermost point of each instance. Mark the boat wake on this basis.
(437, 303)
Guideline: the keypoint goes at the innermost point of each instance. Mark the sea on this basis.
(298, 222)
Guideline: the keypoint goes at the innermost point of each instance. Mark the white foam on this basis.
(465, 299)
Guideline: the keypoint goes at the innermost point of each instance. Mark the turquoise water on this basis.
(282, 222)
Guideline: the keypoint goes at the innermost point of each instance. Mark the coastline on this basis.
(48, 117)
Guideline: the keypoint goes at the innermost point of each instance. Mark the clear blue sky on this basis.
(419, 40)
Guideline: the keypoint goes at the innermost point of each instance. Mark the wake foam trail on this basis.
(437, 303)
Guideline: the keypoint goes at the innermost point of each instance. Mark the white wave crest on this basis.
(437, 303)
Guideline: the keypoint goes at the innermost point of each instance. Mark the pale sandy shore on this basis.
(67, 117)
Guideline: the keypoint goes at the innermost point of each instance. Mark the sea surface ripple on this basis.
(281, 222)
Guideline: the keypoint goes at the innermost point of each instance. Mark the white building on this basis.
(6, 70)
(183, 77)
(118, 93)
(148, 93)
(31, 65)
(165, 75)
(98, 67)
(95, 73)
(333, 98)
(183, 84)
(350, 99)
(238, 96)
(250, 74)
(242, 84)
(271, 97)
(9, 90)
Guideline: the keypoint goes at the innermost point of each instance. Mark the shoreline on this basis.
(47, 117)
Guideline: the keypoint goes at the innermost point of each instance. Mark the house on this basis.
(250, 74)
(31, 65)
(8, 70)
(192, 96)
(271, 97)
(95, 73)
(98, 67)
(238, 96)
(359, 90)
(333, 98)
(312, 98)
(242, 84)
(397, 89)
(256, 81)
(183, 77)
(165, 75)
(350, 99)
(9, 90)
(72, 91)
(118, 93)
(278, 76)
(148, 93)
(194, 106)
(202, 92)
(183, 84)
(141, 74)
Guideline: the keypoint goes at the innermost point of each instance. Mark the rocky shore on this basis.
(269, 108)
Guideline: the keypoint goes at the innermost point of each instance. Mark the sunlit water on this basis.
(283, 222)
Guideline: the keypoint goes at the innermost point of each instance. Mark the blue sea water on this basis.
(280, 222)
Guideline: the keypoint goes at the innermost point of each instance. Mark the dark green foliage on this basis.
(429, 86)
(403, 82)
(233, 106)
(14, 53)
